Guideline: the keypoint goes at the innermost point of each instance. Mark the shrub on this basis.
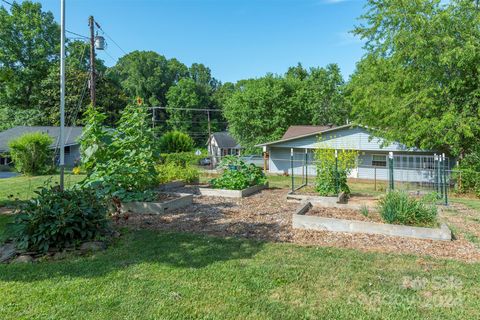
(398, 207)
(172, 171)
(31, 153)
(59, 219)
(328, 178)
(175, 142)
(180, 158)
(468, 175)
(237, 175)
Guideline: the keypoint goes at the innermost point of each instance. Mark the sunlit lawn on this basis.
(23, 187)
(156, 275)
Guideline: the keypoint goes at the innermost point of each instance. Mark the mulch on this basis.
(267, 216)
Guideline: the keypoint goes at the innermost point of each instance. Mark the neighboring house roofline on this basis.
(307, 135)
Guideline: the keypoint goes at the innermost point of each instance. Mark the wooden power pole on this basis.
(91, 23)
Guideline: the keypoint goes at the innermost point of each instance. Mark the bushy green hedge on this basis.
(467, 175)
(31, 153)
(398, 207)
(172, 171)
(60, 219)
(237, 175)
(175, 142)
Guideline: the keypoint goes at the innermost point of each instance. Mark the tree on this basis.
(189, 95)
(419, 82)
(31, 153)
(262, 109)
(29, 42)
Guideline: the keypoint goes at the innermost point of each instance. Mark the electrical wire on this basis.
(188, 109)
(9, 3)
(111, 39)
(74, 33)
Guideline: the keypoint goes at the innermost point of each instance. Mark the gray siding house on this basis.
(72, 147)
(413, 165)
(222, 144)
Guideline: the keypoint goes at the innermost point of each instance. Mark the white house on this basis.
(222, 144)
(413, 165)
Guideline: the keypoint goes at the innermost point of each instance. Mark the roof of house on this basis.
(297, 131)
(72, 134)
(225, 140)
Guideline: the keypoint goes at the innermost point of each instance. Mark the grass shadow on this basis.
(175, 249)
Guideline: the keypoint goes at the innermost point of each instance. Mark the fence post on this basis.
(390, 170)
(336, 172)
(440, 169)
(445, 187)
(291, 166)
(306, 166)
(375, 177)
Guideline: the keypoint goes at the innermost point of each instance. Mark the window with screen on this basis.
(379, 160)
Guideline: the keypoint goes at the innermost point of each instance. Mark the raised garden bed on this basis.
(164, 203)
(354, 202)
(211, 192)
(171, 185)
(349, 223)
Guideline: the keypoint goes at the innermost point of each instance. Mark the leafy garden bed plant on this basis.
(237, 175)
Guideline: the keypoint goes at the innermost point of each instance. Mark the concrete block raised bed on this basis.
(171, 185)
(182, 201)
(210, 192)
(302, 221)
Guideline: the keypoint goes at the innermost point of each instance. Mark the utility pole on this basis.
(209, 126)
(91, 23)
(62, 95)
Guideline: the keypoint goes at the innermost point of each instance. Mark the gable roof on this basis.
(72, 134)
(309, 132)
(224, 140)
(297, 131)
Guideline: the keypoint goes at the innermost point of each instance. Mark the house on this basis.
(72, 147)
(410, 164)
(222, 144)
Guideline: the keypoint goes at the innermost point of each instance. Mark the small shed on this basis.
(222, 144)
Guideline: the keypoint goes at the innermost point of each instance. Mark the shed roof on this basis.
(225, 140)
(303, 132)
(298, 131)
(72, 134)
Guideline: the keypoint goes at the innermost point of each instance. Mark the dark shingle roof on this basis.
(297, 131)
(225, 140)
(72, 134)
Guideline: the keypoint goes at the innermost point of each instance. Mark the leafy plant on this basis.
(237, 175)
(399, 208)
(175, 142)
(364, 211)
(180, 158)
(172, 171)
(126, 165)
(331, 176)
(59, 219)
(31, 153)
(467, 176)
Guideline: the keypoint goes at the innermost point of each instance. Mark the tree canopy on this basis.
(419, 82)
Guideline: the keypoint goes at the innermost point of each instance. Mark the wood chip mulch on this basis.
(267, 216)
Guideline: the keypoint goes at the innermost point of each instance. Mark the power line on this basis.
(74, 33)
(188, 109)
(9, 3)
(106, 34)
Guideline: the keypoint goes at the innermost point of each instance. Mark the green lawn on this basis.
(150, 275)
(23, 187)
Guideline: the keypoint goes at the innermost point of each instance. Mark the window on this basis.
(67, 150)
(379, 160)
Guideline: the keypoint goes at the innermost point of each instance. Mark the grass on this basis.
(469, 202)
(153, 275)
(23, 187)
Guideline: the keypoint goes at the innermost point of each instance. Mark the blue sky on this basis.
(237, 39)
